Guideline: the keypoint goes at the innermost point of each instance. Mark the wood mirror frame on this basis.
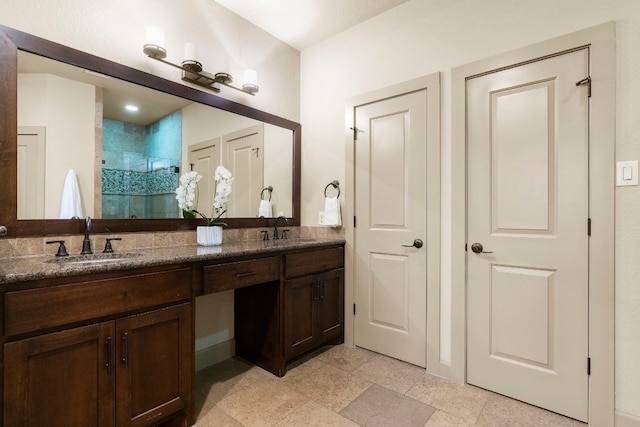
(11, 41)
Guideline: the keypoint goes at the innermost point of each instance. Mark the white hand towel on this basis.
(264, 211)
(71, 204)
(331, 214)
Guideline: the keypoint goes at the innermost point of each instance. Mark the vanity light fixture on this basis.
(192, 71)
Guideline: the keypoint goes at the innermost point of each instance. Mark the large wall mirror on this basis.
(65, 110)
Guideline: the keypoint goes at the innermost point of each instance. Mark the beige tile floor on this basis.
(346, 386)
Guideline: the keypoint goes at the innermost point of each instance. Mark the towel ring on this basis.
(335, 184)
(269, 189)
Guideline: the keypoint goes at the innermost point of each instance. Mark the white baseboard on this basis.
(440, 369)
(627, 420)
(209, 356)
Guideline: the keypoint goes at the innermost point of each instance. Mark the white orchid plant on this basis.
(186, 194)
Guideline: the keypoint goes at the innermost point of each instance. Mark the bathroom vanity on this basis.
(112, 342)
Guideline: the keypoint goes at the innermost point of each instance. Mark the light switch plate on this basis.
(627, 173)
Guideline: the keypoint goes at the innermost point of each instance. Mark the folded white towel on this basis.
(71, 204)
(331, 215)
(264, 211)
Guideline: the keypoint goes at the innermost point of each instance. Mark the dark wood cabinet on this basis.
(314, 311)
(278, 318)
(153, 352)
(131, 368)
(61, 379)
(314, 301)
(301, 315)
(128, 369)
(331, 305)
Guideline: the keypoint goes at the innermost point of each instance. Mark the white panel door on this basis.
(244, 157)
(31, 173)
(390, 207)
(527, 294)
(204, 157)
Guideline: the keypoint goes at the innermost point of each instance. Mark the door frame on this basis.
(601, 42)
(430, 83)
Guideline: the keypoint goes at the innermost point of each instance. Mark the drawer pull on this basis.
(247, 274)
(107, 345)
(125, 349)
(240, 274)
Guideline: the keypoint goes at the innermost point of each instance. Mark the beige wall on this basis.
(422, 37)
(67, 111)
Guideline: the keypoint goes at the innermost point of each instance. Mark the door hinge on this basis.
(588, 366)
(465, 247)
(586, 81)
(354, 309)
(588, 226)
(354, 221)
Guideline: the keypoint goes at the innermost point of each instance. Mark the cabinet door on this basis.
(61, 379)
(300, 315)
(330, 305)
(155, 360)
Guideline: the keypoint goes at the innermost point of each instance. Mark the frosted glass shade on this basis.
(250, 77)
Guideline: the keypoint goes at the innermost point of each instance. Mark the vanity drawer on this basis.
(313, 261)
(232, 275)
(49, 307)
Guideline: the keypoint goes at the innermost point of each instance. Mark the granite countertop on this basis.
(19, 269)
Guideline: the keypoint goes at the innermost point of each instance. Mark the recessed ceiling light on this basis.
(131, 108)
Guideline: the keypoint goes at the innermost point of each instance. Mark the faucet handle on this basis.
(107, 245)
(284, 234)
(62, 249)
(265, 234)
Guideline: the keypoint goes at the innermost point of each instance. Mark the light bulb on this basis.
(250, 83)
(190, 52)
(154, 45)
(250, 77)
(155, 36)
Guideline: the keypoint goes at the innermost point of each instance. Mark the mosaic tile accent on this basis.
(160, 181)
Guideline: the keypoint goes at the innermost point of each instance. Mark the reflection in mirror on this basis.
(127, 146)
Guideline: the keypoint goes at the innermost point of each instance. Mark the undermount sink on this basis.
(94, 258)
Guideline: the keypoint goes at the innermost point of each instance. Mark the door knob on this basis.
(416, 244)
(478, 249)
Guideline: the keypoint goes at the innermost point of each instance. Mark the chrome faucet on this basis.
(275, 227)
(86, 242)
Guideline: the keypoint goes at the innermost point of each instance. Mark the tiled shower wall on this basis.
(140, 168)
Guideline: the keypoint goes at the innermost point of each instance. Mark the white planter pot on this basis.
(209, 236)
